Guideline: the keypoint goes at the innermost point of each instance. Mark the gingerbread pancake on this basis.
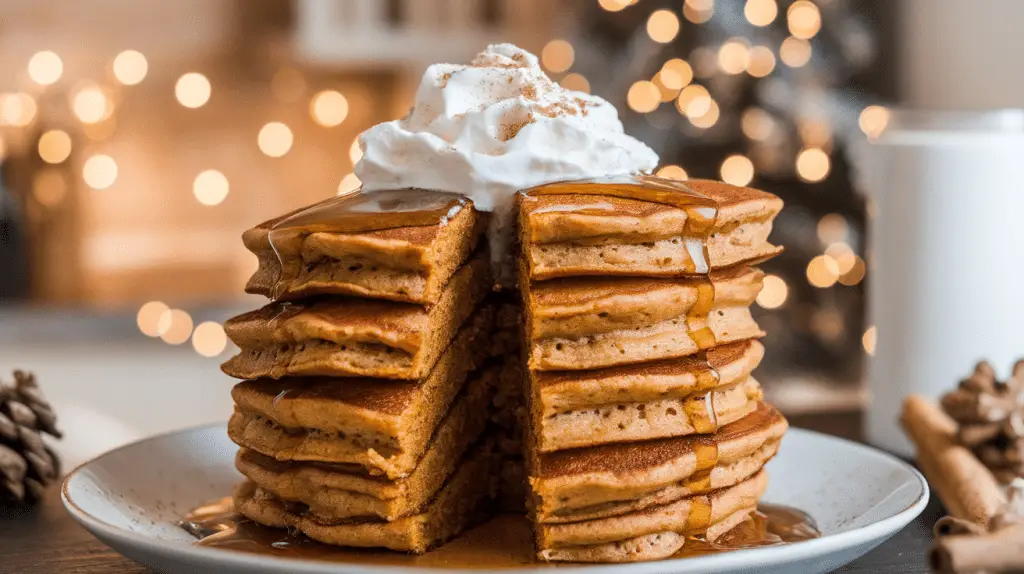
(408, 263)
(348, 491)
(577, 234)
(701, 412)
(379, 424)
(587, 323)
(464, 499)
(561, 391)
(344, 337)
(612, 479)
(708, 515)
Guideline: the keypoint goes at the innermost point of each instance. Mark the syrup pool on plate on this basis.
(502, 542)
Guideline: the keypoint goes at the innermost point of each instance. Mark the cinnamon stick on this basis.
(999, 551)
(965, 486)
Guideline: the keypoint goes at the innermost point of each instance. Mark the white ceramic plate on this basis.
(132, 497)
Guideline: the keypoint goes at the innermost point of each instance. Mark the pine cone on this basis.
(27, 465)
(991, 418)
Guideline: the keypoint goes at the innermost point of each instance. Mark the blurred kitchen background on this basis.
(138, 140)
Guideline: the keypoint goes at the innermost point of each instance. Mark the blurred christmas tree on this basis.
(778, 94)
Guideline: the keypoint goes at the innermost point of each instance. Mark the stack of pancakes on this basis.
(374, 410)
(645, 425)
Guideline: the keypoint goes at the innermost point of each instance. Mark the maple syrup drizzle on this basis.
(700, 408)
(504, 542)
(358, 212)
(705, 450)
(701, 216)
(699, 481)
(697, 317)
(707, 377)
(699, 519)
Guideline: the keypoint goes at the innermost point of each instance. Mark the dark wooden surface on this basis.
(45, 539)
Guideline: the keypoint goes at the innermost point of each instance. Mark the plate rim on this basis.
(795, 552)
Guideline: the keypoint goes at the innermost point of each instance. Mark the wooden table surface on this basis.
(45, 539)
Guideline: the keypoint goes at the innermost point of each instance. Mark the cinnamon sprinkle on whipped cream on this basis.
(496, 126)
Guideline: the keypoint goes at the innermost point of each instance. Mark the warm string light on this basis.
(557, 56)
(349, 184)
(643, 97)
(843, 255)
(700, 5)
(813, 165)
(698, 11)
(130, 67)
(665, 94)
(733, 56)
(856, 273)
(795, 52)
(761, 12)
(275, 139)
(615, 5)
(676, 74)
(673, 172)
(90, 104)
(209, 339)
(45, 68)
(577, 82)
(737, 170)
(17, 109)
(774, 292)
(149, 318)
(873, 120)
(54, 146)
(663, 26)
(174, 326)
(328, 108)
(210, 187)
(869, 340)
(192, 90)
(760, 62)
(694, 101)
(803, 19)
(822, 272)
(708, 118)
(99, 171)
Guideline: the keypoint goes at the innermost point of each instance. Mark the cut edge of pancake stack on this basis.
(645, 425)
(379, 383)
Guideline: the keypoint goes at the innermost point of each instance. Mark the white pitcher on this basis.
(946, 256)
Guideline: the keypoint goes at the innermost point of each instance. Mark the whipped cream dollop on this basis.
(494, 127)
